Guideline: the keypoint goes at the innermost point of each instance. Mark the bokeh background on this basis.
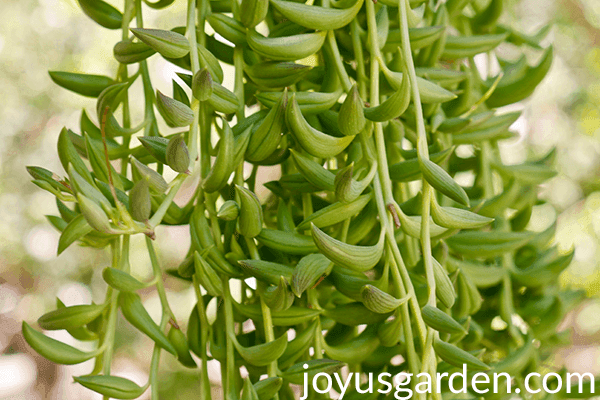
(41, 35)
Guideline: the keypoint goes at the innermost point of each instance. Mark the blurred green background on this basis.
(41, 35)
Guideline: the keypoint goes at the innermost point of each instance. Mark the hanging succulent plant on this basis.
(355, 101)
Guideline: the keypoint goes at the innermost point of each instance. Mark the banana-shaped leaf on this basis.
(179, 341)
(292, 316)
(527, 173)
(488, 244)
(457, 357)
(287, 242)
(262, 354)
(136, 314)
(251, 215)
(121, 280)
(265, 139)
(409, 170)
(98, 162)
(102, 13)
(53, 350)
(222, 99)
(522, 88)
(207, 276)
(287, 48)
(442, 76)
(309, 270)
(442, 181)
(355, 350)
(309, 102)
(392, 107)
(431, 93)
(280, 297)
(379, 301)
(456, 218)
(248, 391)
(128, 52)
(230, 28)
(315, 142)
(273, 74)
(298, 346)
(469, 46)
(350, 119)
(419, 37)
(267, 388)
(334, 213)
(111, 386)
(444, 289)
(82, 333)
(497, 204)
(267, 271)
(70, 317)
(483, 276)
(494, 128)
(75, 230)
(440, 321)
(168, 43)
(347, 189)
(349, 282)
(357, 258)
(411, 225)
(544, 271)
(315, 17)
(314, 172)
(83, 84)
(222, 167)
(389, 332)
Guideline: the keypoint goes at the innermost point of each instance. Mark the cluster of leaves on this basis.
(344, 240)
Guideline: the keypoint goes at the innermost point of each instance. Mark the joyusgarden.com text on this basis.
(404, 388)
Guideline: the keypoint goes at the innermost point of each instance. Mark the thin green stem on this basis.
(339, 64)
(307, 207)
(154, 363)
(486, 170)
(204, 120)
(266, 313)
(151, 127)
(124, 262)
(108, 340)
(423, 154)
(357, 46)
(191, 31)
(507, 258)
(229, 386)
(193, 143)
(156, 219)
(214, 221)
(200, 307)
(195, 63)
(382, 164)
(160, 287)
(382, 182)
(386, 224)
(128, 8)
(238, 64)
(426, 242)
(314, 303)
(412, 75)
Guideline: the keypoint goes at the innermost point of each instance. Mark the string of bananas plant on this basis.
(367, 247)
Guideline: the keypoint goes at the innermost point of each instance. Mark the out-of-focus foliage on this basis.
(36, 35)
(565, 112)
